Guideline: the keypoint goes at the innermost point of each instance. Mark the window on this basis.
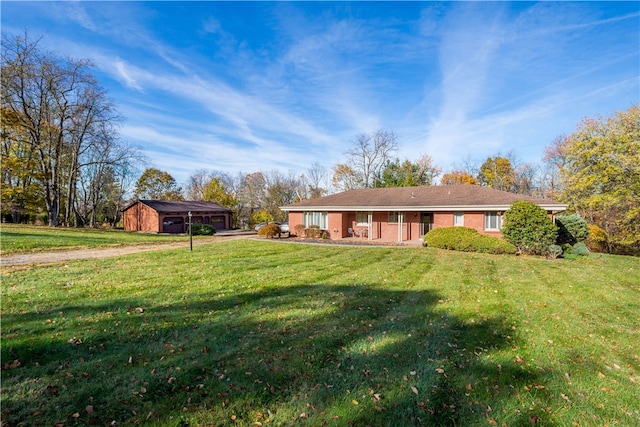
(362, 218)
(316, 218)
(458, 219)
(492, 221)
(394, 217)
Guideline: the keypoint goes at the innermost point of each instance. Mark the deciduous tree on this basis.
(155, 184)
(498, 173)
(408, 173)
(366, 157)
(601, 176)
(458, 177)
(63, 116)
(215, 191)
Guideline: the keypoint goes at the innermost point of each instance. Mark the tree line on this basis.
(62, 159)
(63, 162)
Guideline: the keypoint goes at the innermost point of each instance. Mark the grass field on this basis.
(255, 333)
(24, 238)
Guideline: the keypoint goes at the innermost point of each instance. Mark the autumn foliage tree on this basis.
(497, 173)
(458, 177)
(155, 184)
(601, 174)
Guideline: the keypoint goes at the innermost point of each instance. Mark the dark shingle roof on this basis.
(431, 197)
(167, 206)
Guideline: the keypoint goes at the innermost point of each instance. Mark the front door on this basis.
(426, 223)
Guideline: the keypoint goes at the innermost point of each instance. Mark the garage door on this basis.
(173, 225)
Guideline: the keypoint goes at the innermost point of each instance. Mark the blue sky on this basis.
(246, 86)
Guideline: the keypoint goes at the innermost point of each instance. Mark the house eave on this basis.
(449, 208)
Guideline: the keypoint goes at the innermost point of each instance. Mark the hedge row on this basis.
(467, 240)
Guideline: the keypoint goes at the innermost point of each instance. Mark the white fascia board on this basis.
(455, 208)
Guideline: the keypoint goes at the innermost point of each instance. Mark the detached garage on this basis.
(162, 216)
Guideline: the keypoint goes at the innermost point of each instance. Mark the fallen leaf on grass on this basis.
(11, 365)
(414, 389)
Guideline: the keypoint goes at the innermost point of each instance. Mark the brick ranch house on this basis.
(162, 216)
(407, 213)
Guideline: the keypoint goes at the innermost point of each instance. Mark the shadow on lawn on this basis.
(310, 354)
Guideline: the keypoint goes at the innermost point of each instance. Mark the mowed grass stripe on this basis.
(250, 332)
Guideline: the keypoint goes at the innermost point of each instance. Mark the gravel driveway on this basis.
(108, 252)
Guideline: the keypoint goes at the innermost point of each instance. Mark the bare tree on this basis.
(368, 155)
(62, 110)
(316, 181)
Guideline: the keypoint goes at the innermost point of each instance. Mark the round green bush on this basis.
(580, 249)
(466, 240)
(202, 230)
(528, 227)
(571, 229)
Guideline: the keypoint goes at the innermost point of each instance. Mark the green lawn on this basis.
(259, 332)
(24, 238)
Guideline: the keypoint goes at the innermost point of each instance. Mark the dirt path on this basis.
(94, 253)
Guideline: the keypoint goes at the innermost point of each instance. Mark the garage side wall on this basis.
(141, 217)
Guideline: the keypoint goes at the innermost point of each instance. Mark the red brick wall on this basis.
(334, 225)
(442, 219)
(340, 222)
(471, 220)
(295, 218)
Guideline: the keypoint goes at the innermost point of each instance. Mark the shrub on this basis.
(269, 230)
(554, 251)
(202, 230)
(528, 227)
(299, 229)
(598, 240)
(313, 231)
(580, 249)
(467, 240)
(571, 229)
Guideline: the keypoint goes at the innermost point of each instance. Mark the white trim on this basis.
(451, 208)
(498, 219)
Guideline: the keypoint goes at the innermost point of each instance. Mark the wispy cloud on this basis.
(262, 85)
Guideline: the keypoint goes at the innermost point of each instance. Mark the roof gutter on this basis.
(450, 208)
